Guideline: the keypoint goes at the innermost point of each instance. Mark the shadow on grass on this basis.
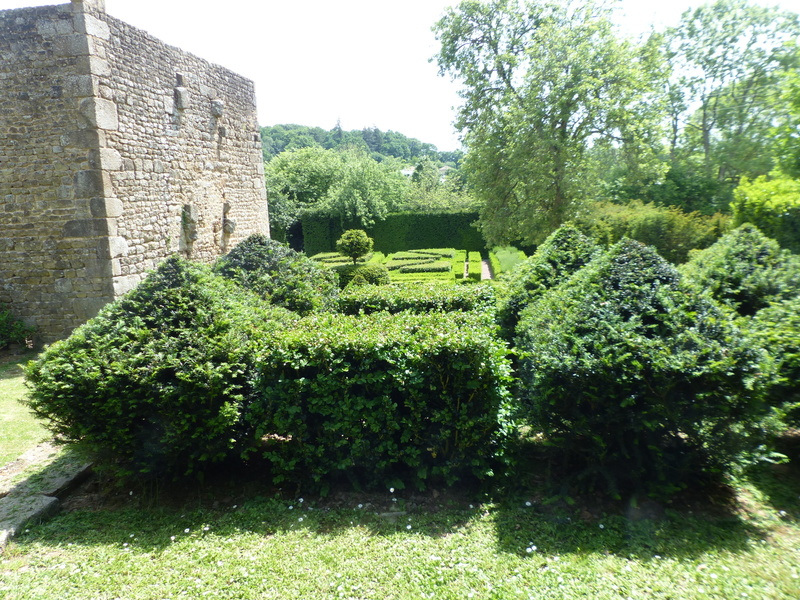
(11, 363)
(779, 484)
(540, 518)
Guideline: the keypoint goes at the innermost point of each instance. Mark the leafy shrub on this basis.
(281, 275)
(777, 328)
(13, 330)
(635, 380)
(503, 259)
(354, 244)
(745, 270)
(156, 384)
(565, 251)
(418, 298)
(773, 205)
(383, 399)
(667, 228)
(370, 273)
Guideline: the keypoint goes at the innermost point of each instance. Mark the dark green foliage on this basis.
(565, 251)
(12, 329)
(281, 275)
(667, 228)
(384, 399)
(636, 381)
(398, 232)
(370, 273)
(745, 270)
(156, 384)
(421, 298)
(777, 328)
(354, 244)
(381, 144)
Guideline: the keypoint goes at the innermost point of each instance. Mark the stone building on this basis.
(116, 151)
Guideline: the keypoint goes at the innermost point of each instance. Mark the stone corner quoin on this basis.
(116, 151)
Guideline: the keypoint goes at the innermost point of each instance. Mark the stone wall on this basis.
(116, 150)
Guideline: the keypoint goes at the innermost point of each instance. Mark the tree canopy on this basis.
(543, 82)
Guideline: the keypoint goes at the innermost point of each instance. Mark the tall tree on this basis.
(542, 82)
(727, 57)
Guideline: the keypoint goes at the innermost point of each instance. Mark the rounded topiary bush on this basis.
(369, 273)
(281, 275)
(636, 381)
(744, 270)
(156, 384)
(565, 251)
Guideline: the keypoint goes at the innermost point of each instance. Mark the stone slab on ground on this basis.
(16, 512)
(34, 498)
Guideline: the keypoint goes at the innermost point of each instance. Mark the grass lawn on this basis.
(235, 544)
(20, 431)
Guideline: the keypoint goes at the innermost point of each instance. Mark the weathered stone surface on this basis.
(105, 135)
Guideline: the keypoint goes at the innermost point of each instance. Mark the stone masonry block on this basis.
(91, 183)
(100, 113)
(91, 25)
(106, 207)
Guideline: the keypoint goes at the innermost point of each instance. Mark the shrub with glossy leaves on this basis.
(777, 328)
(382, 399)
(157, 383)
(565, 251)
(745, 270)
(281, 275)
(418, 298)
(635, 379)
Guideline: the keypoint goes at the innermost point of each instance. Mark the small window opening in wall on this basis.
(178, 79)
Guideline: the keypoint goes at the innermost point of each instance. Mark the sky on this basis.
(363, 63)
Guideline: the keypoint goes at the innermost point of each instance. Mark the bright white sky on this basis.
(363, 62)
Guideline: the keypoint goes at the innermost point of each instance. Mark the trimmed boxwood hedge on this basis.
(398, 400)
(157, 383)
(420, 298)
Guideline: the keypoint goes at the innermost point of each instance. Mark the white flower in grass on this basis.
(172, 538)
(602, 526)
(300, 520)
(391, 490)
(186, 530)
(528, 503)
(408, 526)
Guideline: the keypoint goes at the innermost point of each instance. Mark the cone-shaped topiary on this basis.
(565, 251)
(636, 380)
(281, 275)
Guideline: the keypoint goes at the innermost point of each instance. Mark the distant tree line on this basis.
(379, 145)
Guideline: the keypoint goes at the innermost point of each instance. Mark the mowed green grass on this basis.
(266, 547)
(19, 430)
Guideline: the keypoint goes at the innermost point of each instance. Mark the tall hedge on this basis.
(673, 232)
(398, 231)
(384, 400)
(637, 381)
(157, 383)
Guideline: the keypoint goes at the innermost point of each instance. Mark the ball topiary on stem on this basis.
(354, 243)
